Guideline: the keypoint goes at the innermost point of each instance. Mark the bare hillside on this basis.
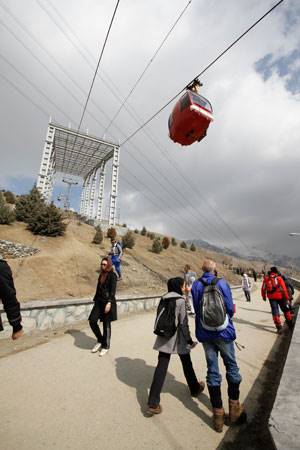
(68, 266)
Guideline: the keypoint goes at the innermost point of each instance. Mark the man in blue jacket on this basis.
(218, 341)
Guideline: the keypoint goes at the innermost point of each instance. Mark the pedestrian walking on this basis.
(105, 307)
(214, 329)
(189, 278)
(254, 273)
(116, 254)
(9, 299)
(274, 288)
(246, 286)
(173, 337)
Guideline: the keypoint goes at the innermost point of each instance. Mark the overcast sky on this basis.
(246, 169)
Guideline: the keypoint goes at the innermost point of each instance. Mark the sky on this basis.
(239, 187)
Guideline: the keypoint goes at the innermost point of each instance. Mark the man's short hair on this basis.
(208, 265)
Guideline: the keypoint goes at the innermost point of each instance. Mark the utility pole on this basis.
(70, 183)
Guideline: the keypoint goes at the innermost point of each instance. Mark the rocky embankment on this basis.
(14, 250)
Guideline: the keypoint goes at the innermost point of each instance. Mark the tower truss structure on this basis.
(78, 154)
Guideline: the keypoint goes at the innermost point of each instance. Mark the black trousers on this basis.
(161, 372)
(247, 295)
(104, 338)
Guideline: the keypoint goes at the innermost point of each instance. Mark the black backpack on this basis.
(165, 325)
(213, 313)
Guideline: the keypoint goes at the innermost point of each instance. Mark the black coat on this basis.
(8, 297)
(106, 293)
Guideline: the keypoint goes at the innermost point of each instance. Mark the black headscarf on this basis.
(175, 285)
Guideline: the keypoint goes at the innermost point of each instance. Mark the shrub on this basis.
(173, 241)
(98, 238)
(183, 244)
(124, 225)
(156, 246)
(9, 197)
(152, 236)
(144, 231)
(111, 233)
(136, 231)
(165, 242)
(47, 222)
(128, 240)
(193, 247)
(7, 216)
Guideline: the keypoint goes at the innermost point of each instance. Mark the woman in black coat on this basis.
(105, 306)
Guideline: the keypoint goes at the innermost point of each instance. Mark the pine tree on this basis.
(9, 197)
(165, 242)
(144, 231)
(98, 238)
(28, 206)
(156, 246)
(183, 244)
(7, 216)
(136, 231)
(47, 222)
(128, 240)
(192, 247)
(173, 241)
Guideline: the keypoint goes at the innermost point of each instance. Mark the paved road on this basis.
(60, 396)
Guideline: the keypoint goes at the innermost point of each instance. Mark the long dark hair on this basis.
(175, 285)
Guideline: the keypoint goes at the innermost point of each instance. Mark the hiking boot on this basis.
(199, 390)
(279, 329)
(218, 419)
(236, 412)
(154, 409)
(96, 348)
(290, 324)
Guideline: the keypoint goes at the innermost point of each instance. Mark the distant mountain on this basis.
(258, 254)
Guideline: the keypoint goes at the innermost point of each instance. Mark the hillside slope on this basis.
(68, 266)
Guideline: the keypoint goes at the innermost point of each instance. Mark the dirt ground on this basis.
(68, 266)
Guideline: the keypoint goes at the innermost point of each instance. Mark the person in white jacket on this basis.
(246, 286)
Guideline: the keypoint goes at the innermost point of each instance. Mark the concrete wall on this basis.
(51, 314)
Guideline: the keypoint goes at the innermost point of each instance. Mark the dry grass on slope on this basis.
(68, 266)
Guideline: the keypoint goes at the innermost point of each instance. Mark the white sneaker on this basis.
(103, 351)
(96, 348)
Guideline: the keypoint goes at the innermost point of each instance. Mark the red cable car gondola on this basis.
(190, 117)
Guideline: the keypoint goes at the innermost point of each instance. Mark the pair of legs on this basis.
(189, 304)
(117, 265)
(285, 308)
(247, 295)
(214, 378)
(103, 339)
(161, 372)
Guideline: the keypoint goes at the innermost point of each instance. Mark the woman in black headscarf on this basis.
(179, 343)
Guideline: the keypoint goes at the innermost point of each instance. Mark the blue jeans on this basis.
(117, 264)
(226, 349)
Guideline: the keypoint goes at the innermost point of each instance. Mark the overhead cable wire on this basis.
(202, 72)
(147, 66)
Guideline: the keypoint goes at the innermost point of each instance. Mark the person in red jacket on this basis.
(275, 290)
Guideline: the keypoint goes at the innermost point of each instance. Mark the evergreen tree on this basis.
(173, 241)
(192, 247)
(9, 197)
(165, 242)
(144, 231)
(28, 206)
(47, 222)
(156, 246)
(128, 240)
(7, 216)
(183, 244)
(98, 238)
(136, 231)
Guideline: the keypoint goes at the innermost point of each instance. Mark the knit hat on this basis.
(274, 269)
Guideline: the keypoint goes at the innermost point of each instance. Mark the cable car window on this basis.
(185, 102)
(201, 101)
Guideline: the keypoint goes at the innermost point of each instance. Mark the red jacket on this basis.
(279, 291)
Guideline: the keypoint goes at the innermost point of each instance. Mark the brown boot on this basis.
(236, 412)
(218, 419)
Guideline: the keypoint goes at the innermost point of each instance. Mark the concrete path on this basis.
(60, 396)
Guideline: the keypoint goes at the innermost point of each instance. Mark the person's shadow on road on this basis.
(81, 339)
(137, 374)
